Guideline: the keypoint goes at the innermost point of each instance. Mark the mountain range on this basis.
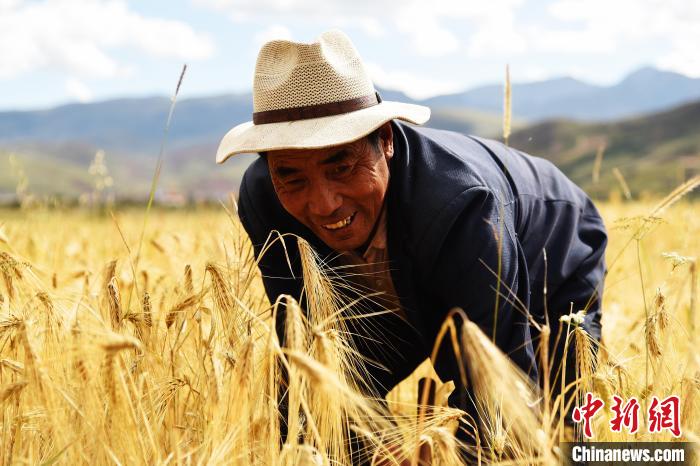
(654, 153)
(645, 90)
(54, 147)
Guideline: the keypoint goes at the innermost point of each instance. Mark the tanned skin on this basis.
(337, 192)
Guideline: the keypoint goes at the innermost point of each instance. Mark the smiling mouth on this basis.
(340, 224)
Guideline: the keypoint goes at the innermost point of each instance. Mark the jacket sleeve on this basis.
(277, 276)
(480, 267)
(585, 286)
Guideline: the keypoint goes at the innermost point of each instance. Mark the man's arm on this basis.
(277, 277)
(480, 268)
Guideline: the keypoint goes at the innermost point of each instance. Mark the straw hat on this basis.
(310, 96)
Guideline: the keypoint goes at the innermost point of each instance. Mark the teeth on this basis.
(343, 223)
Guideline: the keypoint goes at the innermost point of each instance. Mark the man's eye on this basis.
(340, 170)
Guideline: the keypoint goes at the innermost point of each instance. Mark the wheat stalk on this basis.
(597, 163)
(623, 184)
(507, 107)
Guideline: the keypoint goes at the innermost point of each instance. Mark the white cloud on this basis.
(8, 4)
(77, 36)
(682, 27)
(423, 23)
(502, 38)
(530, 73)
(569, 41)
(610, 26)
(414, 86)
(273, 32)
(428, 36)
(78, 90)
(684, 57)
(493, 30)
(372, 27)
(496, 29)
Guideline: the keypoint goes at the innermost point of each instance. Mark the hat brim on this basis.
(316, 133)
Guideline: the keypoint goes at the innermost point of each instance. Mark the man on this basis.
(438, 219)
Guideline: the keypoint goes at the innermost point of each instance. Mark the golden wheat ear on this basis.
(511, 413)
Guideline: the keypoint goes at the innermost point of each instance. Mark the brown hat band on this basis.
(316, 111)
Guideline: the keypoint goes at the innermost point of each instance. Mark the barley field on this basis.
(121, 350)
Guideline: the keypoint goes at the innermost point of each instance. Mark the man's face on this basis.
(337, 192)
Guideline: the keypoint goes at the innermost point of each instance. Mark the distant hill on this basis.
(130, 126)
(528, 99)
(133, 126)
(645, 90)
(654, 153)
(54, 147)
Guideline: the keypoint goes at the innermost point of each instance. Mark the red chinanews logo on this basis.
(662, 414)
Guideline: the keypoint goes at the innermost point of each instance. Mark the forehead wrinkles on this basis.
(301, 159)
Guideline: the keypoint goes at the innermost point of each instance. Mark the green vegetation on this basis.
(654, 153)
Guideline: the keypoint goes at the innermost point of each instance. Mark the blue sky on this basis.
(58, 51)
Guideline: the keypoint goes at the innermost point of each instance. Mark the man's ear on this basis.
(386, 140)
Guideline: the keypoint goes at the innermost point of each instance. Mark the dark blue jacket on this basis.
(452, 199)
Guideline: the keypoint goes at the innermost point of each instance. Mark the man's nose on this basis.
(324, 200)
